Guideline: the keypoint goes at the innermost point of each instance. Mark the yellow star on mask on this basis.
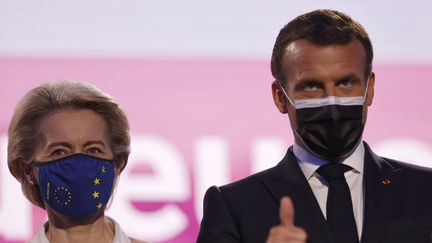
(97, 181)
(99, 206)
(95, 194)
(103, 169)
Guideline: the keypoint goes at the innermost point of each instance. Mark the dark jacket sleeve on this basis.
(217, 225)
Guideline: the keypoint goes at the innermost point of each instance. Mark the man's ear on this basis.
(279, 97)
(371, 88)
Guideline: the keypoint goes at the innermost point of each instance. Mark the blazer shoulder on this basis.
(285, 168)
(413, 176)
(388, 164)
(250, 180)
(408, 166)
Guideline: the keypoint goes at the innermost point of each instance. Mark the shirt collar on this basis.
(309, 163)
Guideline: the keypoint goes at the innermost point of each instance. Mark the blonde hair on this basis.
(52, 97)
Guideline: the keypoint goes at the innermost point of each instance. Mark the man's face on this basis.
(312, 71)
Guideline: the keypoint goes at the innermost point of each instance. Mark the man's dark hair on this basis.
(321, 27)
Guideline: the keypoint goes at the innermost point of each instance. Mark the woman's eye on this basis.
(58, 153)
(94, 150)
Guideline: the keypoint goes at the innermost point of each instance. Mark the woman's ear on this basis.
(120, 164)
(29, 174)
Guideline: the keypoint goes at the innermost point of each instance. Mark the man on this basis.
(330, 186)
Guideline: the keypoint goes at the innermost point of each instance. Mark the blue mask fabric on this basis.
(77, 186)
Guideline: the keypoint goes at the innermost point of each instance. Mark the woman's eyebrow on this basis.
(92, 142)
(56, 144)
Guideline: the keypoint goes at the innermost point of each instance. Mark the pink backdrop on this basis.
(195, 123)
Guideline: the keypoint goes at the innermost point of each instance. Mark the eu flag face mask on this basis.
(331, 127)
(77, 186)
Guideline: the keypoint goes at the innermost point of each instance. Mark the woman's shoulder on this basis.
(120, 236)
(137, 241)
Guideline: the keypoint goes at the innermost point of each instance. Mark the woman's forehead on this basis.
(73, 125)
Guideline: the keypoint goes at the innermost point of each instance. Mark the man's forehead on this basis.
(302, 52)
(305, 61)
(297, 47)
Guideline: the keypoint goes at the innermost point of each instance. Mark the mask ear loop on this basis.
(286, 95)
(367, 89)
(293, 129)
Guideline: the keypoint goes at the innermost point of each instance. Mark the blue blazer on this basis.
(396, 212)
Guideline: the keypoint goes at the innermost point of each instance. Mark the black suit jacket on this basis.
(244, 211)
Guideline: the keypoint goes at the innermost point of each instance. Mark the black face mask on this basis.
(330, 132)
(330, 128)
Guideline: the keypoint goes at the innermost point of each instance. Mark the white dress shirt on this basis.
(309, 164)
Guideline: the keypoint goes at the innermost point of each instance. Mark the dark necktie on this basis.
(340, 216)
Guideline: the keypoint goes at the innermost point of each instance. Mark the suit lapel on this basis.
(381, 185)
(287, 179)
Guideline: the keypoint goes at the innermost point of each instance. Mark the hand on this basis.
(286, 232)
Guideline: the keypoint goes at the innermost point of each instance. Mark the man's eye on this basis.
(310, 87)
(345, 84)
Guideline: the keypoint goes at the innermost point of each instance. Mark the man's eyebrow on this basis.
(350, 76)
(307, 81)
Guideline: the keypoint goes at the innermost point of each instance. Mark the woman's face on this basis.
(65, 133)
(72, 131)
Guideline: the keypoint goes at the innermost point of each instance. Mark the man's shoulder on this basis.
(410, 168)
(393, 164)
(249, 183)
(411, 177)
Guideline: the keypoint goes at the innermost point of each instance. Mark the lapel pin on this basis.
(386, 181)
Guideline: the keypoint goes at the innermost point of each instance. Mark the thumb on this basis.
(286, 212)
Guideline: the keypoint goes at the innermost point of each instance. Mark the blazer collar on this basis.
(381, 183)
(287, 179)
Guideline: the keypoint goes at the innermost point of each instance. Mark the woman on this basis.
(68, 144)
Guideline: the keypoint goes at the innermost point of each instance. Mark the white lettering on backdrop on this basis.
(169, 181)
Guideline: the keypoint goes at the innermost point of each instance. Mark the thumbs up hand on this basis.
(286, 232)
